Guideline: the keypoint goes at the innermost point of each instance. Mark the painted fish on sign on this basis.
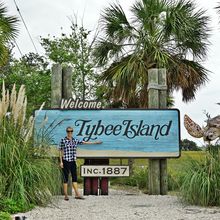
(124, 133)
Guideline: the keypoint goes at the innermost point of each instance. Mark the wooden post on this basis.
(154, 165)
(56, 86)
(162, 80)
(87, 182)
(157, 97)
(56, 89)
(104, 181)
(67, 82)
(67, 93)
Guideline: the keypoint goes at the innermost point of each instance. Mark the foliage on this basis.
(27, 178)
(160, 34)
(32, 71)
(8, 32)
(14, 206)
(175, 179)
(74, 49)
(186, 144)
(5, 216)
(201, 183)
(138, 178)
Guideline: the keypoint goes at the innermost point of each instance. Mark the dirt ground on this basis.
(121, 204)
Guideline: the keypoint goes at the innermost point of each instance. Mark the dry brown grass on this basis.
(13, 107)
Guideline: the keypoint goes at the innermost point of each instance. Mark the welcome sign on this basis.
(124, 133)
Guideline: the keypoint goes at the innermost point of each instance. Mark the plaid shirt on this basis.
(69, 148)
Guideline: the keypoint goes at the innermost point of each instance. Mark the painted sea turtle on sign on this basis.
(209, 133)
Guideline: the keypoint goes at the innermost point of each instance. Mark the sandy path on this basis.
(121, 205)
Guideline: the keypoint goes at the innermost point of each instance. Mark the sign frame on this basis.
(126, 109)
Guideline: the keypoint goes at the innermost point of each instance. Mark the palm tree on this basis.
(159, 34)
(8, 32)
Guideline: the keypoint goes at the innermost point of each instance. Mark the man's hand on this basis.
(61, 164)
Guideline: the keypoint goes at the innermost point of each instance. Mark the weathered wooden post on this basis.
(157, 95)
(61, 87)
(56, 88)
(56, 85)
(67, 82)
(67, 93)
(162, 81)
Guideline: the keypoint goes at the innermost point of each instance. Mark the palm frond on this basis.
(188, 28)
(8, 25)
(115, 23)
(188, 76)
(105, 50)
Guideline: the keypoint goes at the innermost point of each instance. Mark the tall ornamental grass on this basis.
(24, 177)
(201, 184)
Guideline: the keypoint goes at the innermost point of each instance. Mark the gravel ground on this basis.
(120, 205)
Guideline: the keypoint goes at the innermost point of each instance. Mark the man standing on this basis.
(67, 148)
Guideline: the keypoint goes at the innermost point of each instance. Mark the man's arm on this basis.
(61, 146)
(88, 142)
(61, 157)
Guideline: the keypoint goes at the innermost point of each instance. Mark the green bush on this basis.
(139, 178)
(12, 206)
(201, 184)
(175, 179)
(5, 216)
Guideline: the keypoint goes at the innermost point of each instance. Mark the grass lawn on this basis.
(174, 165)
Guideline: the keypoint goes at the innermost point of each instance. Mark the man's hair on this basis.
(69, 128)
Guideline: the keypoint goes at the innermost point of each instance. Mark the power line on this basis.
(25, 26)
(18, 48)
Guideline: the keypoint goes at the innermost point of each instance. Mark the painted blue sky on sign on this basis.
(125, 130)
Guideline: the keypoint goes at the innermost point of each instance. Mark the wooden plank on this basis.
(104, 185)
(67, 93)
(104, 181)
(155, 177)
(162, 80)
(56, 86)
(153, 94)
(87, 182)
(163, 177)
(154, 165)
(67, 82)
(95, 185)
(56, 89)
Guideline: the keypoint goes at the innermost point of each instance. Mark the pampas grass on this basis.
(23, 176)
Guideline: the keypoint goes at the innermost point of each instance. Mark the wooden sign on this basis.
(104, 171)
(124, 133)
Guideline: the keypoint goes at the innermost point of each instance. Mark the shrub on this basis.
(5, 216)
(25, 178)
(175, 179)
(139, 178)
(201, 184)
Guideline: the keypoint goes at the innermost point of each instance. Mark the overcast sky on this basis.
(45, 17)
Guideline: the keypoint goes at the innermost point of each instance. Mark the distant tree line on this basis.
(187, 145)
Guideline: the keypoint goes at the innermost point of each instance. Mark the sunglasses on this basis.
(69, 131)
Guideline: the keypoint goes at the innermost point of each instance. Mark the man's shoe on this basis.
(66, 198)
(79, 197)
